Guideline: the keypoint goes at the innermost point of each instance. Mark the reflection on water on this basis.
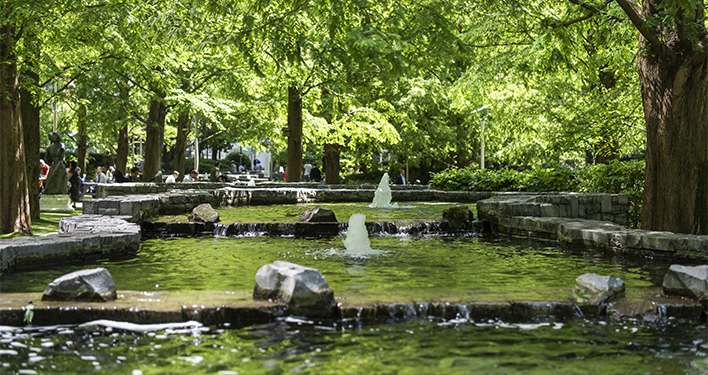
(410, 268)
(413, 347)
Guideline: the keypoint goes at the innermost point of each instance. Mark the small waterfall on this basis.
(382, 195)
(306, 195)
(221, 230)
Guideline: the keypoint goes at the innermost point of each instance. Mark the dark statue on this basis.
(56, 182)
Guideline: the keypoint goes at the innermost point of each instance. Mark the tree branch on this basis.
(647, 33)
(433, 157)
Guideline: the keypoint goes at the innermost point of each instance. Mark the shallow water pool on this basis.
(407, 269)
(413, 347)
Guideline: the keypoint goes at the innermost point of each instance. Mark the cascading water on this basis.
(382, 195)
(357, 240)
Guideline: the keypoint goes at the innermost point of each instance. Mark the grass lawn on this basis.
(48, 223)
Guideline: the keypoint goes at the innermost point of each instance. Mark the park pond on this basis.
(401, 269)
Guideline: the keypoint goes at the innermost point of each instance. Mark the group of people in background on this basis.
(312, 173)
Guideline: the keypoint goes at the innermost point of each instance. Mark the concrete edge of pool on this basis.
(239, 309)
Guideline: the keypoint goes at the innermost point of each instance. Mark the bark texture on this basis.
(675, 102)
(674, 85)
(30, 128)
(295, 137)
(122, 152)
(181, 144)
(81, 139)
(154, 138)
(14, 193)
(331, 163)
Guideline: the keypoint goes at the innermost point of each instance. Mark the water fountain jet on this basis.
(382, 195)
(357, 240)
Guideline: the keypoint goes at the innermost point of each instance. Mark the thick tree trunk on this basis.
(154, 139)
(331, 163)
(14, 193)
(295, 137)
(181, 144)
(81, 138)
(675, 98)
(122, 152)
(30, 128)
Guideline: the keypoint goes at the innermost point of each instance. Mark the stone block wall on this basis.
(605, 207)
(79, 237)
(143, 188)
(576, 220)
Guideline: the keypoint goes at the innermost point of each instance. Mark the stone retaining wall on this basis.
(263, 312)
(142, 188)
(584, 221)
(79, 238)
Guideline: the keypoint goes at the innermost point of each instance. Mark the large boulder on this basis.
(93, 285)
(319, 214)
(458, 217)
(687, 281)
(204, 213)
(595, 289)
(303, 289)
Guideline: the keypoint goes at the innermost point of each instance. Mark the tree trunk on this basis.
(424, 172)
(122, 152)
(30, 128)
(295, 137)
(675, 97)
(462, 146)
(81, 141)
(331, 163)
(154, 139)
(181, 144)
(14, 193)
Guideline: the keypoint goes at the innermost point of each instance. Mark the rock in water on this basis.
(303, 289)
(204, 213)
(319, 214)
(687, 281)
(458, 217)
(94, 285)
(595, 289)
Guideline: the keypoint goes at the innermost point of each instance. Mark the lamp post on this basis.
(483, 123)
(482, 158)
(196, 142)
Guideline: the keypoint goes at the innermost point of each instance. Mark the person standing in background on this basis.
(100, 176)
(75, 182)
(315, 174)
(401, 178)
(308, 170)
(215, 173)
